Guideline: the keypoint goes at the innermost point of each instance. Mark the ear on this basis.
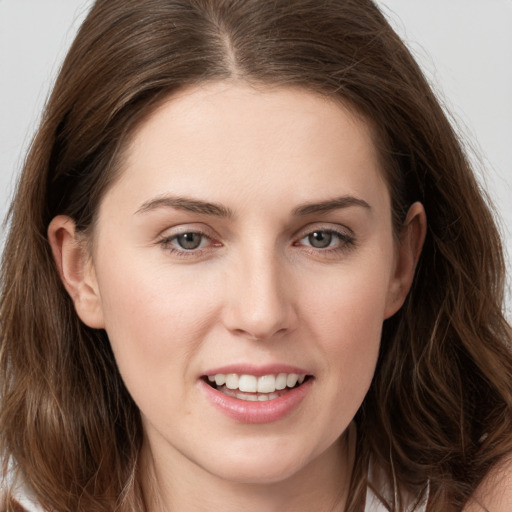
(76, 270)
(408, 251)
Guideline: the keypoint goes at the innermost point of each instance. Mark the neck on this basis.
(322, 485)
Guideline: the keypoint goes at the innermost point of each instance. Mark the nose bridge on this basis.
(259, 304)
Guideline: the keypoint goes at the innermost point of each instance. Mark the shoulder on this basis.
(495, 492)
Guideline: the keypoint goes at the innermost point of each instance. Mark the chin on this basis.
(260, 464)
(264, 473)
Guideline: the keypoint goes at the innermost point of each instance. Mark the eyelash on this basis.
(167, 244)
(345, 242)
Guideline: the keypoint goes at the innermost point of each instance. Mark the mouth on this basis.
(252, 388)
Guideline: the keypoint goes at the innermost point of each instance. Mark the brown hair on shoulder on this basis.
(439, 410)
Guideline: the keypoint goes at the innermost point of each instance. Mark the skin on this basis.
(494, 494)
(256, 290)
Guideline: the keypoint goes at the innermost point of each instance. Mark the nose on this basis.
(260, 297)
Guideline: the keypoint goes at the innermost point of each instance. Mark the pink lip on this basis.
(244, 411)
(258, 371)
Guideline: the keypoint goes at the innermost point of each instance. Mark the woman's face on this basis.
(249, 241)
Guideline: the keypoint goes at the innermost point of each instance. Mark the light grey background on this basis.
(464, 46)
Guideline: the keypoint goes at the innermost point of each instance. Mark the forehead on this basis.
(214, 108)
(231, 140)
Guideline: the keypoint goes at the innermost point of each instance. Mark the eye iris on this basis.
(189, 240)
(320, 239)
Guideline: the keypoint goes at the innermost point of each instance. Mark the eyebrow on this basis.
(329, 205)
(218, 210)
(187, 204)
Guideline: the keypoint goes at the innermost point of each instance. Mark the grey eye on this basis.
(320, 239)
(189, 241)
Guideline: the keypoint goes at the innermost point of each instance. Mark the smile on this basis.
(255, 389)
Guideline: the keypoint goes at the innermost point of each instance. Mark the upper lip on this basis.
(257, 371)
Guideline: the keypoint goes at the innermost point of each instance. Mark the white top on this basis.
(25, 498)
(378, 481)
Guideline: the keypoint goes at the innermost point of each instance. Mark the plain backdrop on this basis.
(464, 46)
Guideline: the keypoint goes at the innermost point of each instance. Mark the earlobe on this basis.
(408, 252)
(76, 270)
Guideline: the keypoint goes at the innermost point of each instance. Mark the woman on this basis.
(249, 267)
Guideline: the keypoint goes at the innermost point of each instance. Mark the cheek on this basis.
(346, 315)
(155, 316)
(349, 304)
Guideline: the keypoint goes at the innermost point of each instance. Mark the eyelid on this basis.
(191, 227)
(346, 236)
(322, 226)
(169, 235)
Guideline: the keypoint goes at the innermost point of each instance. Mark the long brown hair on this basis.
(439, 408)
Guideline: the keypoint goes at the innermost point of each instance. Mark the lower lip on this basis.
(268, 411)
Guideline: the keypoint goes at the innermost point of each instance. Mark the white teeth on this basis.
(281, 381)
(232, 381)
(266, 384)
(219, 379)
(291, 380)
(248, 383)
